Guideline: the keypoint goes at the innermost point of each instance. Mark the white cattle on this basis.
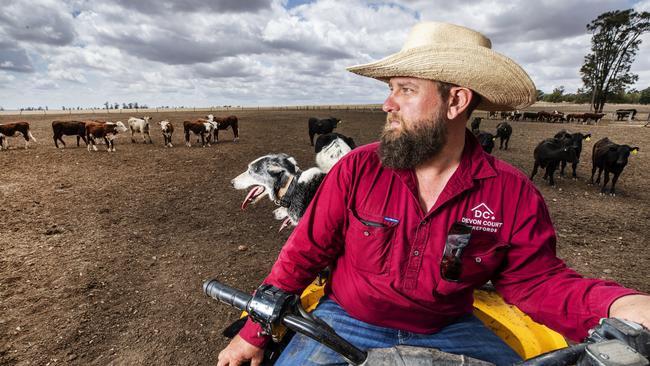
(140, 125)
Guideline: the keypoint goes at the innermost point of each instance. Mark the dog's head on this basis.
(330, 154)
(265, 176)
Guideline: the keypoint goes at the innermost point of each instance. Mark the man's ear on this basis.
(459, 101)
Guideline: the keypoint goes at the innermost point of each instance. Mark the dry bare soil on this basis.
(102, 255)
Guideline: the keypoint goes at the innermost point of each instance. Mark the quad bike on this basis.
(614, 342)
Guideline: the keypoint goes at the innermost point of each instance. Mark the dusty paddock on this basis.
(102, 256)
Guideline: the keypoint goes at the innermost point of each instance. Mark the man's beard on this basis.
(407, 149)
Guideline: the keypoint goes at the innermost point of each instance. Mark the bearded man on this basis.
(382, 216)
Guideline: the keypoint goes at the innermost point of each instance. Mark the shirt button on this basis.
(366, 233)
(416, 253)
(477, 259)
(423, 222)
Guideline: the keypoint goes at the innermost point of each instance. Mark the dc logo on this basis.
(482, 211)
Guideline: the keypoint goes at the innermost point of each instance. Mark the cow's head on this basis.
(146, 119)
(623, 152)
(119, 127)
(164, 125)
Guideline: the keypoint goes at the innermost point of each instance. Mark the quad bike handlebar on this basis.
(272, 307)
(614, 342)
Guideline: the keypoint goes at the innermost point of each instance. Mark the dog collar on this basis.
(285, 199)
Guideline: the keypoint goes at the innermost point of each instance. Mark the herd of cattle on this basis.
(89, 130)
(556, 116)
(549, 154)
(563, 148)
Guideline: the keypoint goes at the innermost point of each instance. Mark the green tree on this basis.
(614, 44)
(645, 96)
(556, 96)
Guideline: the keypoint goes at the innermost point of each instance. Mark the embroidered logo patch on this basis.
(482, 218)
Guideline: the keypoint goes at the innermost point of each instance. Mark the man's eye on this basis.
(407, 90)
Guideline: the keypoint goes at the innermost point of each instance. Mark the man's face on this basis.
(416, 123)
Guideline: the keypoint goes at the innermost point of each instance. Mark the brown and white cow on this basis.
(200, 127)
(68, 128)
(223, 123)
(106, 130)
(15, 129)
(167, 131)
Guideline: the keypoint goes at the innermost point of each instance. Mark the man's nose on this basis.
(390, 105)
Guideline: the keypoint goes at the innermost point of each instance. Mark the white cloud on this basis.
(199, 52)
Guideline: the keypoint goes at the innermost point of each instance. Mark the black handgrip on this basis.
(226, 294)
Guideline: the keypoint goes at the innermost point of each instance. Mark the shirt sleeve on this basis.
(314, 243)
(541, 284)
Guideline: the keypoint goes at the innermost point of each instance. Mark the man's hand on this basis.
(632, 307)
(240, 351)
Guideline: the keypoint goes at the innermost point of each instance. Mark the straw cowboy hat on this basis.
(460, 56)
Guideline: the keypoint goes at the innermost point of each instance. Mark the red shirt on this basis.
(389, 275)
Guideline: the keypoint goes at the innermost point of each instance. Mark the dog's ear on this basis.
(293, 160)
(274, 168)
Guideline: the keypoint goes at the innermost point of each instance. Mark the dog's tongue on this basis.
(250, 197)
(285, 223)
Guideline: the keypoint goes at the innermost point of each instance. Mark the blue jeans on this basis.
(468, 336)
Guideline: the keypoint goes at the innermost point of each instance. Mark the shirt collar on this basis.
(479, 163)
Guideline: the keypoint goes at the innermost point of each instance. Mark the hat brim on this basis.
(502, 84)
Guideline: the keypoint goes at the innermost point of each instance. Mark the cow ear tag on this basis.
(635, 151)
(588, 139)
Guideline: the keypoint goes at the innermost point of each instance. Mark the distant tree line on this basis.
(133, 105)
(582, 96)
(34, 108)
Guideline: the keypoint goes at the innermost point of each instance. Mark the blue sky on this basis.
(264, 52)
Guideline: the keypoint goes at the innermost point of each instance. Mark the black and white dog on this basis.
(279, 177)
(330, 148)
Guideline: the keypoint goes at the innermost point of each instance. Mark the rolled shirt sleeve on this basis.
(541, 284)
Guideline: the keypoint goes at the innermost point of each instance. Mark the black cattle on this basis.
(68, 128)
(576, 141)
(326, 139)
(529, 116)
(321, 126)
(592, 116)
(486, 140)
(548, 155)
(622, 114)
(609, 157)
(504, 130)
(476, 122)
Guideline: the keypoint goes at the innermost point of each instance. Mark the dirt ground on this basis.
(102, 255)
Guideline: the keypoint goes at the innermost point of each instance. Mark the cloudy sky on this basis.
(264, 52)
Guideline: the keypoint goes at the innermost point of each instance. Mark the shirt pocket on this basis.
(368, 242)
(480, 260)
